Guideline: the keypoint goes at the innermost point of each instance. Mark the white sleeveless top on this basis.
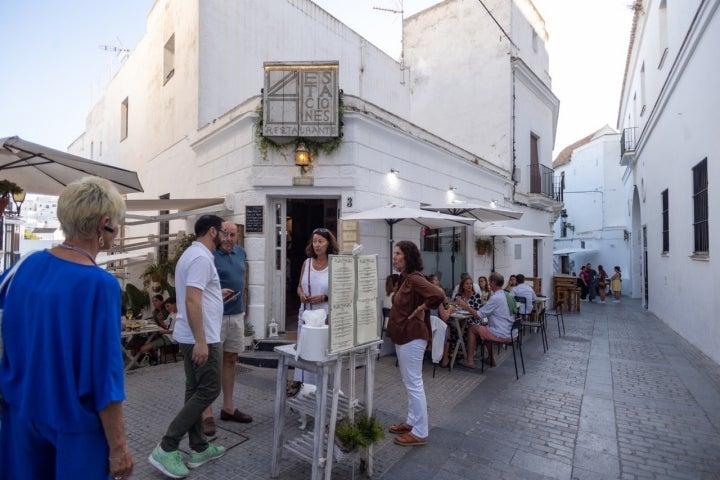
(316, 285)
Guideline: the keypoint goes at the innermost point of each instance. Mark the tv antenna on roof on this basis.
(121, 50)
(402, 35)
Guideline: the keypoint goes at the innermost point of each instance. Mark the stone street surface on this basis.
(619, 396)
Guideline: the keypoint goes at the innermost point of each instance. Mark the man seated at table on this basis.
(165, 337)
(499, 324)
(524, 290)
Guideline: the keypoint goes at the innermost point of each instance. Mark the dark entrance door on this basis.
(303, 216)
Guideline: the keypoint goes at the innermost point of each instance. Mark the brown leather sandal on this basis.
(400, 428)
(410, 440)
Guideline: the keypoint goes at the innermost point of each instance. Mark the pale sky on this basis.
(54, 69)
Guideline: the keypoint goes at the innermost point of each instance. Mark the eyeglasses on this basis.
(321, 231)
(224, 232)
(108, 228)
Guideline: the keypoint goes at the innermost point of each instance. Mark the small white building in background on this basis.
(594, 225)
(471, 107)
(669, 116)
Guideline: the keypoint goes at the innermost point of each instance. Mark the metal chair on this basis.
(522, 307)
(515, 338)
(540, 325)
(558, 314)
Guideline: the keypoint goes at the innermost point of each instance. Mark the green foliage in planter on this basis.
(249, 329)
(370, 428)
(135, 299)
(8, 188)
(485, 245)
(363, 433)
(326, 147)
(349, 438)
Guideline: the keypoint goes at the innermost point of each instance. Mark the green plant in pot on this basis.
(7, 188)
(362, 433)
(483, 246)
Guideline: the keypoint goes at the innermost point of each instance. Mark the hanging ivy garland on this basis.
(327, 147)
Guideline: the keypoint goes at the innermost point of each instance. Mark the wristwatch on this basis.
(325, 298)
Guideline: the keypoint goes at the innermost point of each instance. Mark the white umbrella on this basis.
(39, 169)
(498, 230)
(485, 212)
(393, 214)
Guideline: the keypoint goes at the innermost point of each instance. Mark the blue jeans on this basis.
(202, 387)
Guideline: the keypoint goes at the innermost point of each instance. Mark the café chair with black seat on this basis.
(558, 314)
(521, 307)
(540, 325)
(515, 339)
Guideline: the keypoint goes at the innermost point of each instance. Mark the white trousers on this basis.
(410, 360)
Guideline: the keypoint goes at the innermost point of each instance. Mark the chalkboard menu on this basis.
(253, 219)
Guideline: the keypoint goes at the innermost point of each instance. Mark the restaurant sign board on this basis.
(300, 99)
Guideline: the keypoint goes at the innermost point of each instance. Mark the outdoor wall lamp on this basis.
(302, 157)
(18, 198)
(394, 172)
(452, 189)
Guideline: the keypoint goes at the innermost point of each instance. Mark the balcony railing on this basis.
(542, 180)
(627, 145)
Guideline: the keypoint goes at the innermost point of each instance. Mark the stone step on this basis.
(264, 355)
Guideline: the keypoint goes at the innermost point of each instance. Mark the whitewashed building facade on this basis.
(669, 112)
(183, 111)
(594, 225)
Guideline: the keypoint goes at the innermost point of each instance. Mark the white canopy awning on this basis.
(571, 250)
(183, 207)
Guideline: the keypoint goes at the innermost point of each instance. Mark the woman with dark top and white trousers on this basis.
(409, 328)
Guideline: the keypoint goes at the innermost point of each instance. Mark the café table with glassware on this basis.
(145, 329)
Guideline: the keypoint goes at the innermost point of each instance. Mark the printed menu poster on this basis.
(354, 309)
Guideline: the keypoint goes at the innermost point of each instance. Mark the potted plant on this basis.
(483, 246)
(249, 335)
(350, 436)
(7, 188)
(135, 299)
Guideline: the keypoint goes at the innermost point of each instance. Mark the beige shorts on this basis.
(232, 334)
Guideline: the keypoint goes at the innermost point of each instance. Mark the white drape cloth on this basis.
(439, 331)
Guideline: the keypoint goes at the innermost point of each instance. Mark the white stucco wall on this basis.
(675, 133)
(194, 135)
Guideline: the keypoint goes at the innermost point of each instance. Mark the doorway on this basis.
(302, 216)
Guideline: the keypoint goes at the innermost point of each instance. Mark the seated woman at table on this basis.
(485, 291)
(442, 312)
(512, 282)
(470, 301)
(165, 337)
(456, 289)
(159, 313)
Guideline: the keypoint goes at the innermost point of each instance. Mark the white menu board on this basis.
(354, 312)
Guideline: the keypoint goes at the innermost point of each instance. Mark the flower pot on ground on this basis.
(362, 433)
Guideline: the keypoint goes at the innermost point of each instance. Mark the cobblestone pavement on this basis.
(619, 396)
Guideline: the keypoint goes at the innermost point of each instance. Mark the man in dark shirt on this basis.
(592, 282)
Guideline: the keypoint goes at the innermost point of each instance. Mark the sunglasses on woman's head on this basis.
(321, 231)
